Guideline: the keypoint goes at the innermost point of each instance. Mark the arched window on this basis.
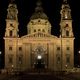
(39, 30)
(68, 48)
(20, 48)
(38, 20)
(66, 25)
(11, 33)
(67, 58)
(10, 48)
(58, 58)
(43, 30)
(20, 59)
(34, 30)
(10, 60)
(67, 33)
(11, 25)
(58, 48)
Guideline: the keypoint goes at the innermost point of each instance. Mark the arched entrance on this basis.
(39, 62)
(39, 58)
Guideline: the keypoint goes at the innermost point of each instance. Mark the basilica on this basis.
(39, 48)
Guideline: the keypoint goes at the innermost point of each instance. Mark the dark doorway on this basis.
(39, 64)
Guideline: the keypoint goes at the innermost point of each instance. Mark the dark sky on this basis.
(51, 8)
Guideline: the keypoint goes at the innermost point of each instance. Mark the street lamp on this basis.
(66, 66)
(79, 57)
(0, 52)
(0, 58)
(12, 66)
(79, 52)
(39, 57)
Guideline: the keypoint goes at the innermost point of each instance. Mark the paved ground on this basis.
(40, 76)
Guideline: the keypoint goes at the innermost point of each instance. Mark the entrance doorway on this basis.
(39, 62)
(39, 58)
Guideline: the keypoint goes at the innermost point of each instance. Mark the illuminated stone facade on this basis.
(39, 47)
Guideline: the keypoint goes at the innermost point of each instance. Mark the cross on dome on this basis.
(12, 1)
(65, 1)
(39, 3)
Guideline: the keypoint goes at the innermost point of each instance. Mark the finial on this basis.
(39, 3)
(64, 1)
(39, 6)
(12, 1)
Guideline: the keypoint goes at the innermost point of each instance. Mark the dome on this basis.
(39, 12)
(41, 15)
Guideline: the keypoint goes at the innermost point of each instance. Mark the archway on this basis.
(39, 57)
(39, 62)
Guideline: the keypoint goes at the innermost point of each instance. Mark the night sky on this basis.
(51, 8)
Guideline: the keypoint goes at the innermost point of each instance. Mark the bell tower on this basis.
(66, 37)
(12, 21)
(11, 35)
(66, 20)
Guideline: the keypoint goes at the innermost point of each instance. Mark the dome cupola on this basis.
(39, 12)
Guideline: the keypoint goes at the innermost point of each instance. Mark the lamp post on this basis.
(79, 56)
(0, 52)
(0, 58)
(79, 52)
(66, 66)
(39, 57)
(61, 55)
(12, 68)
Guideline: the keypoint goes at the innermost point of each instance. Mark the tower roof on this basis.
(12, 3)
(66, 11)
(65, 4)
(12, 11)
(39, 11)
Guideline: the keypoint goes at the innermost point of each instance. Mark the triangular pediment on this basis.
(39, 35)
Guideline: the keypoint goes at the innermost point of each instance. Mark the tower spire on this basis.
(12, 20)
(66, 20)
(12, 11)
(65, 11)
